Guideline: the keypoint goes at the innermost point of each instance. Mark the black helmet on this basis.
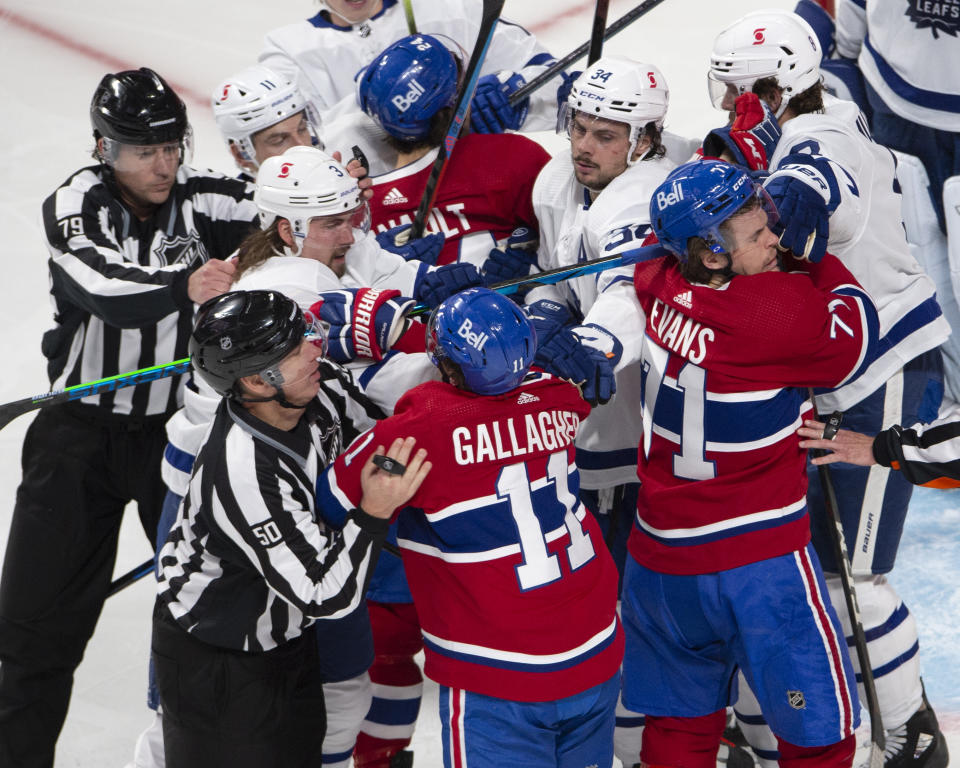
(242, 333)
(137, 107)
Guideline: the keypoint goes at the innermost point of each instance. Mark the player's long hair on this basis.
(258, 247)
(804, 103)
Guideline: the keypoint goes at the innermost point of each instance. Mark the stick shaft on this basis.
(491, 14)
(624, 21)
(599, 26)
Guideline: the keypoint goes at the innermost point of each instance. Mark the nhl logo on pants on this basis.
(795, 699)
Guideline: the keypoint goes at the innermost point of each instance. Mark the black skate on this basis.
(403, 759)
(918, 743)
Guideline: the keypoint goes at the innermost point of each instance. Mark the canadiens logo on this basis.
(935, 15)
(182, 249)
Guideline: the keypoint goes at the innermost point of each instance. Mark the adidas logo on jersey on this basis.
(526, 397)
(394, 197)
(684, 299)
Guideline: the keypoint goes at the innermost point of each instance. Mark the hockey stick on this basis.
(10, 411)
(878, 739)
(628, 18)
(130, 576)
(558, 275)
(488, 22)
(135, 574)
(411, 21)
(599, 26)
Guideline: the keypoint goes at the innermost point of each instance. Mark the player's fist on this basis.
(751, 139)
(441, 282)
(426, 249)
(363, 322)
(491, 111)
(513, 258)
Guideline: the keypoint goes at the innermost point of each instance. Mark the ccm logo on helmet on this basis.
(285, 170)
(475, 340)
(669, 198)
(403, 101)
(758, 38)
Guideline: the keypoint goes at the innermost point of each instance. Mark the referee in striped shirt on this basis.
(248, 567)
(135, 241)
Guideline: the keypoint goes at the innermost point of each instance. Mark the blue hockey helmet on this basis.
(407, 84)
(696, 198)
(487, 336)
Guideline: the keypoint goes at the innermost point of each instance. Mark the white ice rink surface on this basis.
(53, 53)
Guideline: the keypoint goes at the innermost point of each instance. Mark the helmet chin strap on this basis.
(351, 22)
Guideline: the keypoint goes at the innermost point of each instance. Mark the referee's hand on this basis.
(387, 485)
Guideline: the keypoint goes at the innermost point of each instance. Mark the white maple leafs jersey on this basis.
(572, 229)
(908, 52)
(301, 280)
(325, 58)
(867, 235)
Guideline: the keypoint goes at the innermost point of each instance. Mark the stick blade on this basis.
(10, 411)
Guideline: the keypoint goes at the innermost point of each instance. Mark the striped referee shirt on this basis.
(248, 565)
(119, 285)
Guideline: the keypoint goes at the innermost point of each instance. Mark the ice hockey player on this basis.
(326, 52)
(721, 573)
(135, 240)
(485, 193)
(835, 190)
(249, 566)
(513, 586)
(261, 114)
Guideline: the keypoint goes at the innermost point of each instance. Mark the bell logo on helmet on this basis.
(758, 36)
(403, 101)
(475, 340)
(652, 78)
(284, 170)
(673, 197)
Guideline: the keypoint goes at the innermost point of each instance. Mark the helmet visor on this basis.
(724, 93)
(292, 369)
(718, 242)
(433, 347)
(131, 158)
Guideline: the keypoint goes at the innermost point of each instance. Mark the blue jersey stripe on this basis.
(730, 532)
(947, 102)
(520, 666)
(179, 460)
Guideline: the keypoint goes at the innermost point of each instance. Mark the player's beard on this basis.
(597, 183)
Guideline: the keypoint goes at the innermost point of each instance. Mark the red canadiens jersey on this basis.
(726, 373)
(513, 584)
(485, 193)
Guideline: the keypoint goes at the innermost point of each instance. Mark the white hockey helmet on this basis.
(305, 183)
(255, 99)
(620, 89)
(769, 43)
